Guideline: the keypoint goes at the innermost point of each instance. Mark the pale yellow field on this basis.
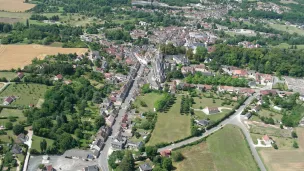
(1, 85)
(285, 160)
(15, 5)
(18, 56)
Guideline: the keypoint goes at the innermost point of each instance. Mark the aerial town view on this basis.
(151, 85)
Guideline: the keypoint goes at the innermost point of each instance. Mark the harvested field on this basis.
(15, 5)
(1, 85)
(18, 56)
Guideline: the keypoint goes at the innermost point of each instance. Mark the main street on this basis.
(103, 158)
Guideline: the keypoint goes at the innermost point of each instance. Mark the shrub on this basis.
(177, 156)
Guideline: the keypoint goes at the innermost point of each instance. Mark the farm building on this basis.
(9, 100)
(211, 110)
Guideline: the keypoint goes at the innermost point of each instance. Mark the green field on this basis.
(8, 137)
(213, 117)
(289, 29)
(8, 75)
(36, 142)
(286, 46)
(171, 126)
(225, 150)
(204, 102)
(11, 112)
(149, 99)
(26, 93)
(230, 151)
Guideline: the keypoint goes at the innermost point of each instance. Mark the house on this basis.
(135, 145)
(16, 149)
(247, 91)
(119, 142)
(188, 70)
(94, 55)
(91, 168)
(256, 108)
(267, 140)
(9, 100)
(268, 92)
(145, 167)
(23, 138)
(58, 77)
(68, 82)
(203, 122)
(240, 73)
(20, 75)
(211, 110)
(98, 144)
(165, 153)
(229, 89)
(247, 115)
(110, 120)
(49, 168)
(105, 131)
(301, 97)
(200, 68)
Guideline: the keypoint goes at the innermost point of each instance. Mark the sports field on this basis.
(171, 126)
(15, 5)
(285, 159)
(225, 150)
(17, 56)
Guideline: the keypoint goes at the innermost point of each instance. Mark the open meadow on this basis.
(289, 29)
(285, 159)
(36, 142)
(171, 126)
(149, 99)
(26, 93)
(8, 75)
(225, 150)
(17, 56)
(15, 5)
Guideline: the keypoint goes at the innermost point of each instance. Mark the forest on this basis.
(260, 59)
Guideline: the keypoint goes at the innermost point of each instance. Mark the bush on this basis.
(177, 156)
(34, 151)
(295, 145)
(275, 146)
(294, 134)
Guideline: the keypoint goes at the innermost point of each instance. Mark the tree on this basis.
(18, 129)
(167, 163)
(275, 146)
(177, 156)
(294, 134)
(97, 97)
(151, 151)
(27, 23)
(43, 145)
(79, 133)
(127, 163)
(99, 122)
(9, 125)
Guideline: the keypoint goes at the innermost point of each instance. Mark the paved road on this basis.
(103, 158)
(237, 121)
(29, 143)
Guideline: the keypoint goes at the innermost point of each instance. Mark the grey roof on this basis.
(92, 168)
(203, 122)
(145, 166)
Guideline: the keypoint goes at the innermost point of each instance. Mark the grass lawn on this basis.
(214, 117)
(230, 151)
(26, 93)
(275, 116)
(277, 132)
(286, 46)
(204, 102)
(7, 138)
(171, 126)
(36, 142)
(11, 112)
(8, 75)
(289, 29)
(149, 99)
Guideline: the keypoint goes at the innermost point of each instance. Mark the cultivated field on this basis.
(225, 150)
(26, 93)
(171, 126)
(17, 56)
(13, 17)
(15, 5)
(285, 159)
